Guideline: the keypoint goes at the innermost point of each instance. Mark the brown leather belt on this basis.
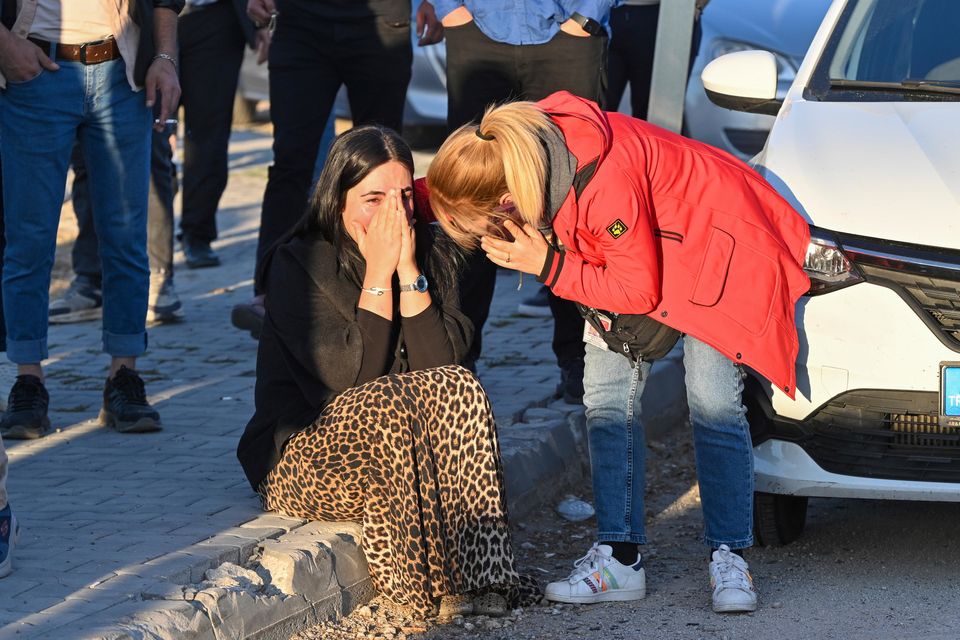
(86, 53)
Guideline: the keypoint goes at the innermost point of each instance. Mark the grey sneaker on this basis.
(164, 303)
(81, 301)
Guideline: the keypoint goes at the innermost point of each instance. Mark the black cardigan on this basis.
(311, 346)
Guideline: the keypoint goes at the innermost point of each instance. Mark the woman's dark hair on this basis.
(352, 157)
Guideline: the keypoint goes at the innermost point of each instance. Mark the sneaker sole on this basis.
(84, 315)
(6, 568)
(617, 595)
(735, 608)
(202, 264)
(143, 425)
(248, 321)
(165, 317)
(27, 432)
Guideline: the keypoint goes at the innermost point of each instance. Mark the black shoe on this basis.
(249, 316)
(125, 406)
(26, 414)
(571, 382)
(537, 305)
(198, 253)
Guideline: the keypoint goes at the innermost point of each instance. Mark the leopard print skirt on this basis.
(414, 458)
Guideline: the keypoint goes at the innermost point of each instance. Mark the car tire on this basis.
(778, 519)
(244, 110)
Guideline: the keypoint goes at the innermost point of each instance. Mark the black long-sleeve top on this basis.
(316, 343)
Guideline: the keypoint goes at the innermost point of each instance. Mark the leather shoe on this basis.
(198, 254)
(249, 316)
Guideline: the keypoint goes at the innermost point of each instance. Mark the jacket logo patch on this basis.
(617, 229)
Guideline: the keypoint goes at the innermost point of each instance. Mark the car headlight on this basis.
(827, 266)
(786, 68)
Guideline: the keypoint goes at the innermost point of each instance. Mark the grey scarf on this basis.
(561, 167)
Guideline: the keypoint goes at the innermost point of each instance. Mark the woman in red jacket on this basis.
(654, 235)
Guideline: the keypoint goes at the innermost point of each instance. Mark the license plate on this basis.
(950, 394)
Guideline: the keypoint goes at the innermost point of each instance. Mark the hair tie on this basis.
(484, 136)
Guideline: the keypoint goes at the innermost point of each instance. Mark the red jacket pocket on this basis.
(712, 275)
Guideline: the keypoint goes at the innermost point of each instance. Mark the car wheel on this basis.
(244, 110)
(778, 519)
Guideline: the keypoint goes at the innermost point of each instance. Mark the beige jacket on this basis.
(125, 31)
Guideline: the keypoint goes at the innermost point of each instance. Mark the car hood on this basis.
(882, 169)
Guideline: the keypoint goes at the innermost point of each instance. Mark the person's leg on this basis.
(115, 138)
(568, 347)
(374, 58)
(724, 454)
(303, 85)
(82, 300)
(163, 304)
(479, 73)
(211, 51)
(617, 61)
(613, 571)
(9, 527)
(38, 123)
(85, 254)
(640, 29)
(577, 65)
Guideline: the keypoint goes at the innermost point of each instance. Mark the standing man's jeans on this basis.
(721, 437)
(39, 121)
(163, 187)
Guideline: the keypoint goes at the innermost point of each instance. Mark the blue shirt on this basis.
(527, 21)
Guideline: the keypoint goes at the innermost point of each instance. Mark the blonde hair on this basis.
(477, 165)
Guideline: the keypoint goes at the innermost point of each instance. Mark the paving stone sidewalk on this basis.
(96, 505)
(113, 524)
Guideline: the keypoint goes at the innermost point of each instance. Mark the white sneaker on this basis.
(163, 304)
(731, 582)
(599, 577)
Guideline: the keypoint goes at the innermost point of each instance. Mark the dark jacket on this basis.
(311, 347)
(141, 11)
(249, 31)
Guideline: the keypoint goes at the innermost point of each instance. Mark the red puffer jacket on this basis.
(680, 231)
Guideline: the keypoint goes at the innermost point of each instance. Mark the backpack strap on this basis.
(583, 176)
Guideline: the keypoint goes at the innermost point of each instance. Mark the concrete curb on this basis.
(274, 576)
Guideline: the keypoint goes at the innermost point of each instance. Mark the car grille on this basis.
(927, 279)
(882, 434)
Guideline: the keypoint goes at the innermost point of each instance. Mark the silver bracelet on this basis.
(377, 291)
(171, 59)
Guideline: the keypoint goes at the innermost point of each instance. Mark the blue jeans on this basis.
(721, 437)
(39, 121)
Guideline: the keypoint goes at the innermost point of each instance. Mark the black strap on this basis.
(583, 176)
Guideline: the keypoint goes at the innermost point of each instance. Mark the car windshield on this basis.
(906, 47)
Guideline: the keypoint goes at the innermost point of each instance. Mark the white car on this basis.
(866, 146)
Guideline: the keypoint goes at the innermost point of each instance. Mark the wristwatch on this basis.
(419, 285)
(589, 25)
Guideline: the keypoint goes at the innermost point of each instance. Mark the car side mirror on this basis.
(743, 81)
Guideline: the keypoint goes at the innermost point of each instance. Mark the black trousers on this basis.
(85, 254)
(211, 52)
(481, 72)
(310, 58)
(631, 56)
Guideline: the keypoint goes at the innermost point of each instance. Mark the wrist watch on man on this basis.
(589, 25)
(419, 285)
